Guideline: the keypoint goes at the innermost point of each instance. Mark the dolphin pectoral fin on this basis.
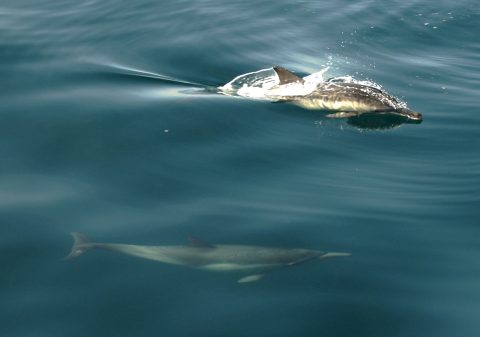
(250, 278)
(285, 76)
(342, 114)
(80, 245)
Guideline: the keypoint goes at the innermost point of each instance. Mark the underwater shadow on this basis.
(364, 122)
(379, 121)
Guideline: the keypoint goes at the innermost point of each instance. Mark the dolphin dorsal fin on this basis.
(196, 242)
(285, 76)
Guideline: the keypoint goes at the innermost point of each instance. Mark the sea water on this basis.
(107, 129)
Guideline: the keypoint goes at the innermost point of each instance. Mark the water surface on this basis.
(104, 131)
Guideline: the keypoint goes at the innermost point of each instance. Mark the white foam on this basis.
(265, 84)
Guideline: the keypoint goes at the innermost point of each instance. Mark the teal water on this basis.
(101, 133)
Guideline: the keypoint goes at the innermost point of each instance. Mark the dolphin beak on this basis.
(333, 254)
(411, 115)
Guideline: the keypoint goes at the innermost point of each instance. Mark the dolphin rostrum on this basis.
(343, 99)
(252, 260)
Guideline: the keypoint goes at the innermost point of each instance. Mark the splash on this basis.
(264, 84)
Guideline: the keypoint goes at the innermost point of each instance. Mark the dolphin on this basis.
(343, 99)
(254, 261)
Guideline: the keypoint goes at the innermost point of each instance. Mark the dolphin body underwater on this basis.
(252, 260)
(343, 99)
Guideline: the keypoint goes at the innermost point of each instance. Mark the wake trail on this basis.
(117, 68)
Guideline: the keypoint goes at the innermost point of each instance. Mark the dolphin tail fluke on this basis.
(80, 245)
(329, 255)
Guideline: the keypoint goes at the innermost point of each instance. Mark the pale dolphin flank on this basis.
(253, 260)
(343, 99)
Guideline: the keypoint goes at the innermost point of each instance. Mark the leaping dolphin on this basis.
(253, 260)
(345, 99)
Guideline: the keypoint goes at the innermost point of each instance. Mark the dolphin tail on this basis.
(329, 255)
(80, 245)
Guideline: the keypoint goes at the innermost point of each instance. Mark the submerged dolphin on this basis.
(253, 260)
(344, 99)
